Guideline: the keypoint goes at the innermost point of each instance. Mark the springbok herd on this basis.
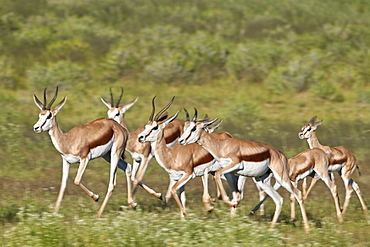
(190, 149)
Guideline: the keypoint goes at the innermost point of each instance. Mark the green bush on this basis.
(63, 73)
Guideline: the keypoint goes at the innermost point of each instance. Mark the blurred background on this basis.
(265, 67)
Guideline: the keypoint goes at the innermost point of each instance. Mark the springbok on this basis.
(141, 153)
(181, 163)
(341, 160)
(245, 158)
(312, 162)
(102, 137)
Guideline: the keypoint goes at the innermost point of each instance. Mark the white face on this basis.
(306, 131)
(191, 133)
(150, 133)
(45, 121)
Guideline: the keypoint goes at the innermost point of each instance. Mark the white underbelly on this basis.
(71, 159)
(303, 175)
(336, 168)
(253, 169)
(199, 170)
(100, 150)
(136, 156)
(175, 175)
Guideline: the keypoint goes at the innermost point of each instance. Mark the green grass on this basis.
(27, 218)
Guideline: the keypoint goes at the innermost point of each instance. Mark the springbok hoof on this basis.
(133, 205)
(159, 196)
(95, 197)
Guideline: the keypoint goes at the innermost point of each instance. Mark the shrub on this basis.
(60, 73)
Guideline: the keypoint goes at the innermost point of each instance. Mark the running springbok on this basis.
(245, 158)
(342, 161)
(312, 162)
(141, 153)
(102, 137)
(181, 163)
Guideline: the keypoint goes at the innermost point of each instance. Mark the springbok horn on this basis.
(39, 102)
(54, 98)
(111, 97)
(195, 115)
(153, 109)
(120, 97)
(187, 115)
(44, 105)
(159, 114)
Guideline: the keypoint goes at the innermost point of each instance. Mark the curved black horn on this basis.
(44, 105)
(195, 115)
(111, 97)
(164, 109)
(54, 98)
(120, 97)
(187, 115)
(153, 109)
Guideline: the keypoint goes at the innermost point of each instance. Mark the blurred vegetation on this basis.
(264, 67)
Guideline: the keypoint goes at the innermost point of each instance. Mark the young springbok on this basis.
(342, 160)
(312, 162)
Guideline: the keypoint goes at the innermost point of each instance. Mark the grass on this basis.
(27, 218)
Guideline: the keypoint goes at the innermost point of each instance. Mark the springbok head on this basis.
(192, 128)
(115, 111)
(156, 123)
(309, 128)
(47, 114)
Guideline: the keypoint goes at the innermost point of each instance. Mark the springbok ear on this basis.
(38, 102)
(163, 117)
(171, 118)
(206, 124)
(211, 129)
(109, 105)
(124, 108)
(319, 122)
(312, 121)
(60, 105)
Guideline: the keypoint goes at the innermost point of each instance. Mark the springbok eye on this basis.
(49, 116)
(117, 114)
(193, 129)
(155, 128)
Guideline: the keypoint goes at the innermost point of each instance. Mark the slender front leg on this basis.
(313, 182)
(112, 183)
(179, 184)
(80, 172)
(225, 198)
(139, 177)
(63, 184)
(206, 197)
(292, 204)
(168, 193)
(333, 189)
